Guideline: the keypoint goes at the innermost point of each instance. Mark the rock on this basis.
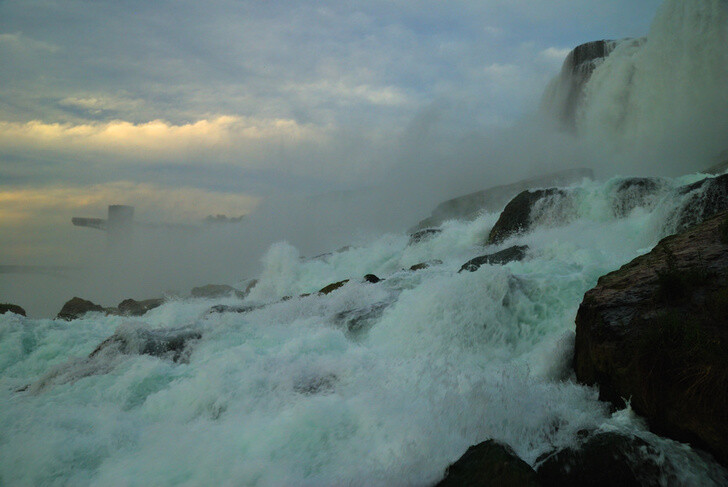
(222, 308)
(604, 460)
(489, 464)
(77, 307)
(216, 291)
(425, 265)
(131, 307)
(423, 235)
(358, 321)
(635, 192)
(516, 216)
(319, 384)
(511, 254)
(469, 206)
(656, 331)
(12, 308)
(332, 287)
(158, 343)
(371, 278)
(705, 199)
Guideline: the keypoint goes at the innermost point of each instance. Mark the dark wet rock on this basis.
(158, 343)
(216, 291)
(12, 308)
(720, 166)
(706, 198)
(371, 278)
(132, 307)
(489, 464)
(603, 460)
(77, 307)
(516, 216)
(656, 331)
(469, 206)
(511, 254)
(357, 321)
(222, 308)
(332, 287)
(424, 235)
(425, 265)
(320, 384)
(632, 193)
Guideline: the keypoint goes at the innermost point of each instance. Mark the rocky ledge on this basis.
(655, 332)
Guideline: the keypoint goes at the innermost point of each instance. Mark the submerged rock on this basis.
(132, 307)
(319, 384)
(511, 254)
(77, 307)
(489, 464)
(656, 331)
(357, 321)
(12, 308)
(425, 265)
(516, 216)
(604, 460)
(158, 343)
(423, 235)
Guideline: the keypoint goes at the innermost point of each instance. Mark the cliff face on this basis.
(655, 332)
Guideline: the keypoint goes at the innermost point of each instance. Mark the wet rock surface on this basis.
(516, 216)
(603, 460)
(132, 307)
(332, 287)
(424, 235)
(158, 343)
(635, 192)
(489, 464)
(656, 331)
(511, 254)
(77, 307)
(11, 308)
(708, 197)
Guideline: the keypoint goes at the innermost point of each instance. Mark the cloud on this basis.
(19, 42)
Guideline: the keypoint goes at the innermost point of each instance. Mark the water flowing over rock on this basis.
(511, 254)
(12, 308)
(656, 332)
(469, 206)
(489, 464)
(706, 198)
(517, 215)
(158, 343)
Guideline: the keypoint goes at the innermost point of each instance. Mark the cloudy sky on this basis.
(187, 108)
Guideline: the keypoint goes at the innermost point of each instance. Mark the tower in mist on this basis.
(119, 224)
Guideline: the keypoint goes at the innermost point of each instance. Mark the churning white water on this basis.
(373, 384)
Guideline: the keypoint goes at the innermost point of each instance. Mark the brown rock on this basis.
(77, 307)
(332, 287)
(656, 331)
(12, 308)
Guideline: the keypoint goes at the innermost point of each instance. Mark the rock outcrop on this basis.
(516, 216)
(656, 332)
(77, 307)
(631, 193)
(469, 206)
(158, 343)
(603, 460)
(132, 307)
(489, 464)
(423, 235)
(511, 254)
(706, 198)
(12, 308)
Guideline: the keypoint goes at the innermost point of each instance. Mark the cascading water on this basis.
(372, 384)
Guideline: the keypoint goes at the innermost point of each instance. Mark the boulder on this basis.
(511, 254)
(489, 464)
(469, 206)
(516, 216)
(12, 308)
(132, 307)
(332, 287)
(158, 343)
(425, 265)
(371, 278)
(656, 331)
(603, 460)
(216, 291)
(77, 307)
(359, 320)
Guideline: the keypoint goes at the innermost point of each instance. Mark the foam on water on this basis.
(290, 393)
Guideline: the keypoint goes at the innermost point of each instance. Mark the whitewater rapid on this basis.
(373, 384)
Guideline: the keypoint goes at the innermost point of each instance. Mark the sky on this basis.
(186, 109)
